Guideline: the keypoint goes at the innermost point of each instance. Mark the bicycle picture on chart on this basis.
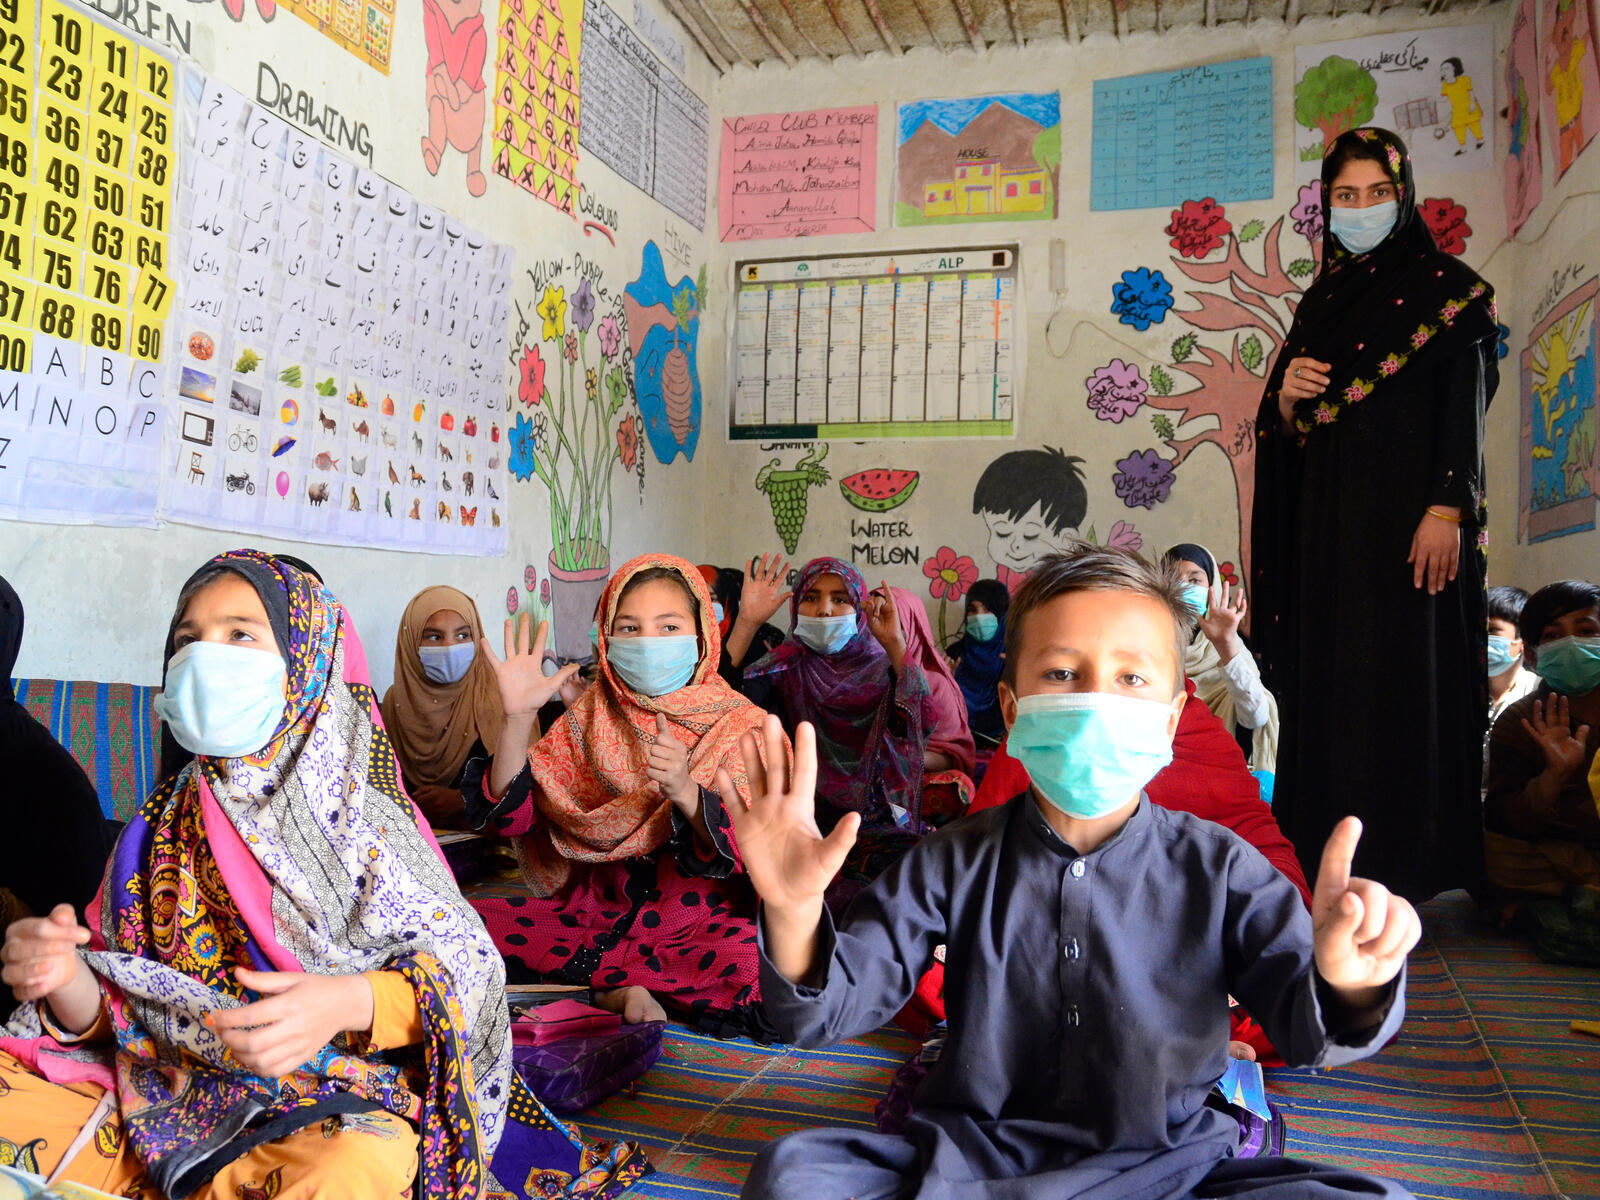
(243, 439)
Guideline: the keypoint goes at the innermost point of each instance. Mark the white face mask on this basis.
(447, 664)
(1362, 229)
(222, 701)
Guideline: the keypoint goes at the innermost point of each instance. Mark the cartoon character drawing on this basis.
(1465, 111)
(457, 44)
(235, 9)
(1032, 502)
(1564, 81)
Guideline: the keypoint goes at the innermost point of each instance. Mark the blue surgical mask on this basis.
(594, 634)
(654, 666)
(825, 635)
(1089, 753)
(447, 664)
(718, 611)
(1501, 659)
(981, 627)
(1570, 665)
(1363, 229)
(1197, 597)
(222, 701)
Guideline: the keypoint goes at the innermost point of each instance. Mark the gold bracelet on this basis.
(1434, 512)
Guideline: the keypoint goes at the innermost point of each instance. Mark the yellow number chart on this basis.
(88, 160)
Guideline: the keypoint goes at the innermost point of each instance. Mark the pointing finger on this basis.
(1338, 856)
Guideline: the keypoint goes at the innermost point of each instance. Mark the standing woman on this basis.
(1367, 563)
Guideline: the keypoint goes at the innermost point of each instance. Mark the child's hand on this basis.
(1362, 932)
(298, 1017)
(41, 953)
(883, 618)
(668, 765)
(1564, 750)
(524, 687)
(788, 860)
(763, 593)
(1222, 619)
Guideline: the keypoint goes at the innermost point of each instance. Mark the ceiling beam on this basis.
(722, 31)
(1211, 12)
(1120, 8)
(699, 36)
(1069, 20)
(801, 30)
(765, 30)
(838, 22)
(1016, 22)
(970, 23)
(1160, 24)
(887, 34)
(928, 25)
(1291, 13)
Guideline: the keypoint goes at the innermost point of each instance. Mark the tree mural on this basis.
(1335, 96)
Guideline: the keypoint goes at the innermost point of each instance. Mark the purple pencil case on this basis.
(575, 1073)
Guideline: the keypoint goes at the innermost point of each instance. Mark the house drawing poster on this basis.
(1434, 87)
(987, 158)
(1569, 78)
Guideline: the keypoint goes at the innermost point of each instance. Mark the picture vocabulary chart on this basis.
(340, 374)
(639, 118)
(864, 346)
(1171, 136)
(87, 163)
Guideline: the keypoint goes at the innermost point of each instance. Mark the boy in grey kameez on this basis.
(1092, 940)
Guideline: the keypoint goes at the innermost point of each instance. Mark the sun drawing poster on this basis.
(988, 158)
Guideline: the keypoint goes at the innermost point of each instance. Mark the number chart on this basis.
(338, 364)
(88, 160)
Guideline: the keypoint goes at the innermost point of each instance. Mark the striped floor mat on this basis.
(1485, 1094)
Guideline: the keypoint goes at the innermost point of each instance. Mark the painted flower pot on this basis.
(573, 595)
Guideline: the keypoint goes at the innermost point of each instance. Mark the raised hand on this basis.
(764, 592)
(524, 687)
(1362, 932)
(1435, 552)
(41, 953)
(668, 765)
(788, 860)
(883, 619)
(1222, 618)
(299, 1016)
(1564, 751)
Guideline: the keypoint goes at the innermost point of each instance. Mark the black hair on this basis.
(1506, 604)
(1019, 479)
(1347, 149)
(1552, 602)
(1090, 568)
(1455, 63)
(992, 594)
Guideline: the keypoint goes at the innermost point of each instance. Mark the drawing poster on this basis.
(988, 158)
(1434, 87)
(1524, 164)
(1569, 78)
(1560, 467)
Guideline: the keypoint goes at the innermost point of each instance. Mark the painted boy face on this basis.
(1018, 545)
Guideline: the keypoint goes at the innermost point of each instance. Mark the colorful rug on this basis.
(110, 728)
(1485, 1094)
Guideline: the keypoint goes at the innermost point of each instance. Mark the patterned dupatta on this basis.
(305, 857)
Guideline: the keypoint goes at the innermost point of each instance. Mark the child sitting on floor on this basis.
(979, 655)
(1509, 679)
(1092, 939)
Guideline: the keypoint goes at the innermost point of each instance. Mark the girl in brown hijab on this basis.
(444, 706)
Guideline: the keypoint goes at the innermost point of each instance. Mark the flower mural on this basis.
(1125, 537)
(610, 334)
(553, 311)
(1307, 213)
(583, 307)
(949, 576)
(1447, 221)
(572, 347)
(1142, 298)
(531, 389)
(1143, 479)
(1198, 228)
(513, 600)
(521, 462)
(628, 442)
(1116, 391)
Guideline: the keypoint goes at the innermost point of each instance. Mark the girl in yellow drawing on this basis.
(1465, 111)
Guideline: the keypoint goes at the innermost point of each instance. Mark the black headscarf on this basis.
(1198, 555)
(10, 635)
(1368, 314)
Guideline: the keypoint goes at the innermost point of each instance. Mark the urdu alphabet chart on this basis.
(339, 373)
(87, 164)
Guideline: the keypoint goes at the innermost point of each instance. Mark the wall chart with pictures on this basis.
(337, 372)
(921, 344)
(87, 164)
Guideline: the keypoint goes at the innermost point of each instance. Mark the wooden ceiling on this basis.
(750, 32)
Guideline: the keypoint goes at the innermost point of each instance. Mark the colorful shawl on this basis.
(305, 857)
(1369, 314)
(948, 731)
(848, 697)
(595, 801)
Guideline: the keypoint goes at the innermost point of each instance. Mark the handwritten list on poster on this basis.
(802, 174)
(640, 119)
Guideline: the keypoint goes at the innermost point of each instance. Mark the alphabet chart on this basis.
(339, 373)
(87, 164)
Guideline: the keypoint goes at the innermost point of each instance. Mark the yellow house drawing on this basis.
(984, 186)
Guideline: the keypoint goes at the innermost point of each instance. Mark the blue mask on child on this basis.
(1501, 659)
(1197, 598)
(222, 701)
(1363, 229)
(447, 664)
(718, 612)
(654, 666)
(1089, 753)
(825, 635)
(1571, 665)
(981, 627)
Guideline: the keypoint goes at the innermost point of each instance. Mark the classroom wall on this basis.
(98, 599)
(1207, 435)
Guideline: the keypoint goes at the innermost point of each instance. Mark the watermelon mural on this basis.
(786, 491)
(880, 490)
